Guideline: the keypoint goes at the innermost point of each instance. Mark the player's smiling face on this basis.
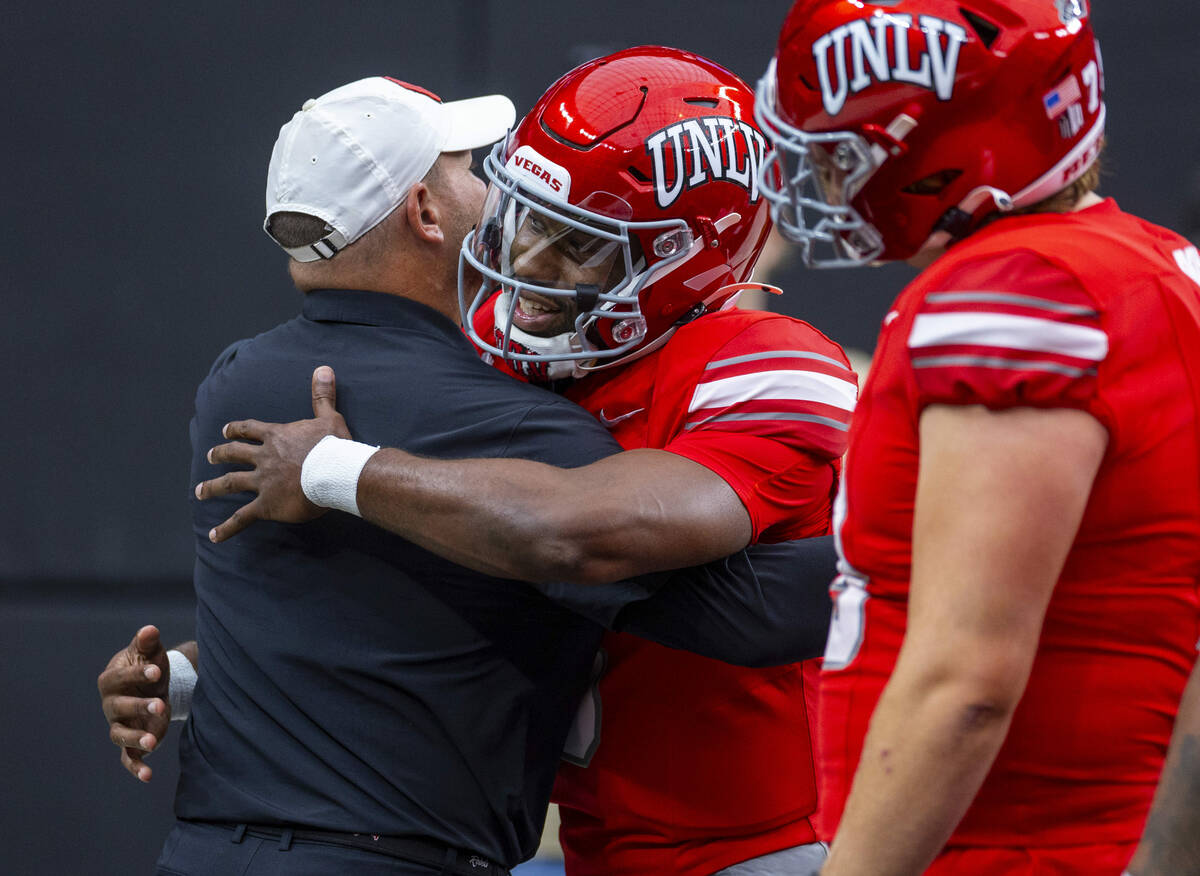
(546, 252)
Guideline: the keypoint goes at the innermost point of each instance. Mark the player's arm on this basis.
(136, 690)
(635, 512)
(999, 500)
(1171, 842)
(630, 513)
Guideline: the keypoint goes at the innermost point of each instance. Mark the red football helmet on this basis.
(899, 124)
(625, 203)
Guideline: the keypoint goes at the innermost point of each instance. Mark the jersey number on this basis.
(846, 625)
(584, 735)
(850, 597)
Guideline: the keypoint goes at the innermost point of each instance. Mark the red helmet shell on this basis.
(672, 135)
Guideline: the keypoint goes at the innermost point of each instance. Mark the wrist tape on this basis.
(329, 476)
(180, 685)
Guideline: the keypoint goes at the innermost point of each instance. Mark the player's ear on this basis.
(423, 215)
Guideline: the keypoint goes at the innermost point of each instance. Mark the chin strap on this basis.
(567, 342)
(956, 222)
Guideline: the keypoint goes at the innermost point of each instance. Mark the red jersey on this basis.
(1097, 311)
(682, 764)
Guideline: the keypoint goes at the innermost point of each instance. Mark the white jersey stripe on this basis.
(1013, 332)
(761, 385)
(1011, 298)
(777, 354)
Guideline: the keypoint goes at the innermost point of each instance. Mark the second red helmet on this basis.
(899, 124)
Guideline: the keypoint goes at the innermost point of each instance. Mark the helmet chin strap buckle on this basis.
(708, 230)
(586, 296)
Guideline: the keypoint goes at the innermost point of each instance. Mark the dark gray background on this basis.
(135, 153)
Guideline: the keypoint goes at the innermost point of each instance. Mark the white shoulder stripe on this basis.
(1012, 332)
(794, 385)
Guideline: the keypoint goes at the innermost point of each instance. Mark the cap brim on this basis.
(478, 121)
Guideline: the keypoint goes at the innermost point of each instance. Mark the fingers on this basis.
(131, 759)
(146, 641)
(123, 677)
(226, 485)
(239, 520)
(137, 738)
(251, 430)
(132, 710)
(235, 452)
(324, 392)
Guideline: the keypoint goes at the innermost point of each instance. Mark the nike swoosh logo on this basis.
(609, 422)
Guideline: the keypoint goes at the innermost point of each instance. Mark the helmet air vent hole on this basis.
(638, 175)
(710, 102)
(934, 183)
(986, 30)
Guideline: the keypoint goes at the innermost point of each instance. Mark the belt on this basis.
(431, 853)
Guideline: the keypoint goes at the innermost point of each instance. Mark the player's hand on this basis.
(275, 462)
(133, 695)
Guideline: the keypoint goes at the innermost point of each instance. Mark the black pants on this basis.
(193, 849)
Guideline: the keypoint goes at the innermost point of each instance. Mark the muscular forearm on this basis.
(637, 512)
(930, 745)
(1171, 842)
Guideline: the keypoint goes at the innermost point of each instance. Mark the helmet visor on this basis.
(535, 243)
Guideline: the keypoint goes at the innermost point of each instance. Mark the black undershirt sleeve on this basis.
(766, 605)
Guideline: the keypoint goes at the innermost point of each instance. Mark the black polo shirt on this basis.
(351, 680)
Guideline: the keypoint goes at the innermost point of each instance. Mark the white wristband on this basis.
(329, 476)
(180, 685)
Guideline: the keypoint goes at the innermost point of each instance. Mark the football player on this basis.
(1019, 521)
(624, 214)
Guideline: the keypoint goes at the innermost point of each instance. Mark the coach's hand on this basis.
(275, 462)
(133, 695)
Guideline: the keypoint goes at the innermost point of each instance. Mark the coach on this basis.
(365, 705)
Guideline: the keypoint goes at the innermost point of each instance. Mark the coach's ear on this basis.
(424, 217)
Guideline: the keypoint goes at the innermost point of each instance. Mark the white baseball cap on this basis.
(350, 156)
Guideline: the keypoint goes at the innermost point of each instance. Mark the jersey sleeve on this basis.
(770, 414)
(1007, 331)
